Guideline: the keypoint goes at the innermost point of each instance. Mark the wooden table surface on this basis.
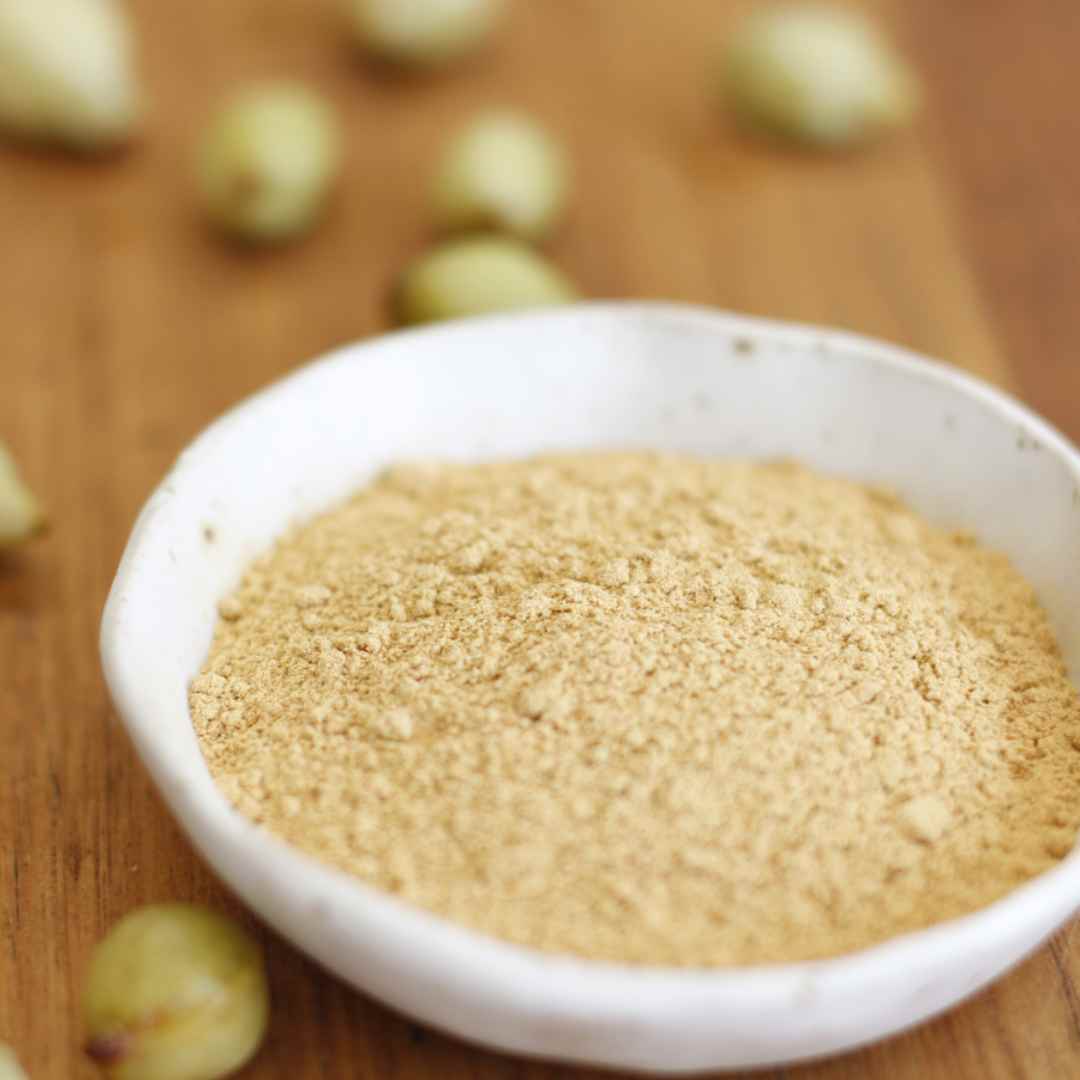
(127, 326)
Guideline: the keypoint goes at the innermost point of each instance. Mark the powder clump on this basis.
(648, 708)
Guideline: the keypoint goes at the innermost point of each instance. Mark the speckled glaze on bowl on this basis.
(582, 377)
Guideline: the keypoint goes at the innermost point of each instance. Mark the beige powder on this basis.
(647, 708)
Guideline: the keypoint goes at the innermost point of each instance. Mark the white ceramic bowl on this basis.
(590, 376)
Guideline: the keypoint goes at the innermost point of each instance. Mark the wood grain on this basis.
(127, 326)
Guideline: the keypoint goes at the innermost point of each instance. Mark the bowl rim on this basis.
(533, 979)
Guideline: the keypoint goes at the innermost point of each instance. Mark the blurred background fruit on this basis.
(67, 72)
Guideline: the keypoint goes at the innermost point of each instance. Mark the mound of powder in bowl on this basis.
(648, 708)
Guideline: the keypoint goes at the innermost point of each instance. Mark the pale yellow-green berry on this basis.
(9, 1065)
(67, 72)
(175, 992)
(423, 33)
(503, 172)
(818, 75)
(20, 514)
(476, 276)
(267, 164)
